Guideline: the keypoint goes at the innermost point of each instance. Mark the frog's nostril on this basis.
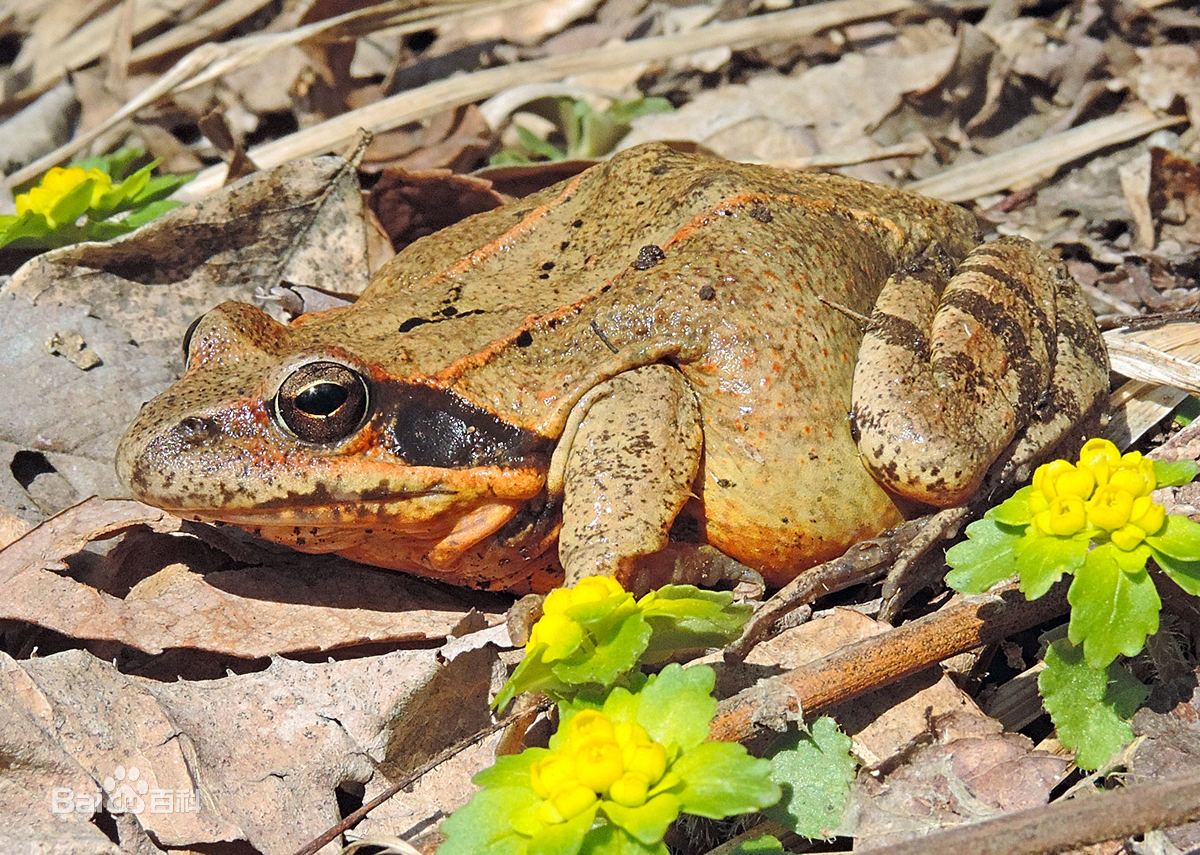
(197, 430)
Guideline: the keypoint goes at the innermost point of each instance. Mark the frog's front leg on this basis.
(624, 468)
(1003, 365)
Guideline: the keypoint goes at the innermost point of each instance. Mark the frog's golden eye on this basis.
(322, 402)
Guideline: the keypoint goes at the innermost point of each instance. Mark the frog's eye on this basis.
(322, 402)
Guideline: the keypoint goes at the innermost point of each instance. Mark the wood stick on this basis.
(883, 659)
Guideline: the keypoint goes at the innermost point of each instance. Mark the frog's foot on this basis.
(693, 564)
(625, 467)
(944, 384)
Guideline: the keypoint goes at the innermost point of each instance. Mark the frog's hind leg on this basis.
(953, 369)
(624, 467)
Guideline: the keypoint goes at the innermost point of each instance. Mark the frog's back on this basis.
(505, 306)
(726, 270)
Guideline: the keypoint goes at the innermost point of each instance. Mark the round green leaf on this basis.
(676, 705)
(721, 779)
(1112, 611)
(1179, 539)
(1043, 559)
(647, 823)
(987, 556)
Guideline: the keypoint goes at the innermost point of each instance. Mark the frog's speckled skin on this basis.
(495, 328)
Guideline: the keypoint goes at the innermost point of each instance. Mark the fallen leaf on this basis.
(970, 771)
(299, 223)
(254, 758)
(291, 604)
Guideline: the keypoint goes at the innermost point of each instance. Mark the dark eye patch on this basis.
(435, 427)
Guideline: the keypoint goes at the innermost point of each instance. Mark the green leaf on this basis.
(26, 231)
(115, 165)
(161, 186)
(508, 157)
(988, 556)
(537, 145)
(815, 773)
(1174, 473)
(1089, 706)
(564, 838)
(610, 840)
(619, 644)
(71, 205)
(532, 674)
(626, 111)
(1179, 539)
(721, 779)
(764, 845)
(481, 826)
(676, 705)
(1185, 574)
(647, 823)
(683, 617)
(103, 229)
(150, 211)
(1042, 560)
(510, 770)
(1015, 510)
(1112, 611)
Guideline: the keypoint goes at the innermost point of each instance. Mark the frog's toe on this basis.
(689, 564)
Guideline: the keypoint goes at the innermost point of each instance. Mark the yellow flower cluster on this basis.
(600, 759)
(1107, 491)
(555, 628)
(56, 184)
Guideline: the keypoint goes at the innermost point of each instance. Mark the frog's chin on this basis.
(432, 543)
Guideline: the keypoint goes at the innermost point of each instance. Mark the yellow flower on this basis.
(1063, 517)
(554, 773)
(630, 791)
(599, 759)
(1135, 474)
(599, 764)
(56, 184)
(1060, 478)
(557, 629)
(1045, 475)
(1147, 515)
(1099, 453)
(559, 633)
(573, 801)
(1110, 508)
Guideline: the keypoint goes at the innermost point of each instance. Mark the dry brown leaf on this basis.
(779, 119)
(1174, 197)
(254, 757)
(412, 204)
(294, 604)
(300, 223)
(1171, 748)
(971, 771)
(65, 444)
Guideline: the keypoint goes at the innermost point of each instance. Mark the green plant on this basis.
(586, 132)
(1094, 519)
(632, 751)
(82, 202)
(615, 776)
(594, 635)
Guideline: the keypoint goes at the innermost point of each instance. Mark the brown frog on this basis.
(665, 351)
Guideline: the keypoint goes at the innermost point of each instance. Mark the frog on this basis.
(668, 355)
